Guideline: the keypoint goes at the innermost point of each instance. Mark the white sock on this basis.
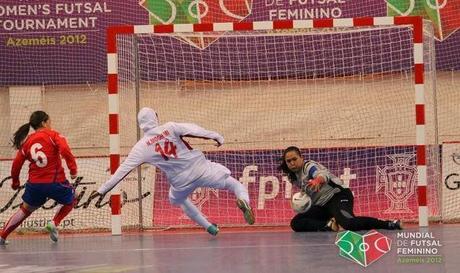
(237, 188)
(193, 213)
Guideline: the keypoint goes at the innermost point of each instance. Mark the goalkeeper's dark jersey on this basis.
(311, 169)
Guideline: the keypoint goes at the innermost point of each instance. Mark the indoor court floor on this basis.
(276, 250)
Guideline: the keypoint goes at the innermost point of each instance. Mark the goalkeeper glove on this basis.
(316, 183)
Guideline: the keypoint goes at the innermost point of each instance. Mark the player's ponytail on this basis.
(35, 122)
(20, 135)
(284, 167)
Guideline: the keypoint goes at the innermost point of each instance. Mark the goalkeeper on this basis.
(186, 168)
(332, 205)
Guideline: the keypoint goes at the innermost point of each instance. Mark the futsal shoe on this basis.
(395, 224)
(3, 242)
(51, 228)
(247, 211)
(213, 229)
(334, 226)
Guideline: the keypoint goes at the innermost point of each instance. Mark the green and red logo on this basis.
(196, 11)
(362, 249)
(442, 13)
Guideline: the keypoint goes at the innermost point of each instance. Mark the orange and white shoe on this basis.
(334, 226)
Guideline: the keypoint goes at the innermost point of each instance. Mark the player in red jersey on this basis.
(43, 149)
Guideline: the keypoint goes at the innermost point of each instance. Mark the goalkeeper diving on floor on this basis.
(332, 204)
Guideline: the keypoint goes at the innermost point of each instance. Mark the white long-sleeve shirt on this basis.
(163, 147)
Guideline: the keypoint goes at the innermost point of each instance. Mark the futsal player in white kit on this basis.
(186, 168)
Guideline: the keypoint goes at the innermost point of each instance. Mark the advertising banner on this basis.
(383, 182)
(382, 179)
(451, 181)
(89, 213)
(64, 41)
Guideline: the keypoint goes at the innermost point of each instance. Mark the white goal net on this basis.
(344, 95)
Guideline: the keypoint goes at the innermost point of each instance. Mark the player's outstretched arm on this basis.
(193, 130)
(134, 159)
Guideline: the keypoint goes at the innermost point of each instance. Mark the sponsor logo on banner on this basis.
(306, 9)
(362, 249)
(414, 247)
(451, 181)
(439, 12)
(203, 195)
(200, 196)
(89, 212)
(456, 158)
(398, 182)
(194, 12)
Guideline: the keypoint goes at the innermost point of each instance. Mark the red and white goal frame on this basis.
(415, 22)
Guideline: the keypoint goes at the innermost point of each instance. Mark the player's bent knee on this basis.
(296, 226)
(175, 202)
(348, 225)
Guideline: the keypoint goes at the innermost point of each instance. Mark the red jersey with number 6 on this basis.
(43, 149)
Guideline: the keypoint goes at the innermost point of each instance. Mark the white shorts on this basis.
(214, 177)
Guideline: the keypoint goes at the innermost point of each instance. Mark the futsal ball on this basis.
(300, 202)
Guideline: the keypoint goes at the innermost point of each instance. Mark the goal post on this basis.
(241, 73)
